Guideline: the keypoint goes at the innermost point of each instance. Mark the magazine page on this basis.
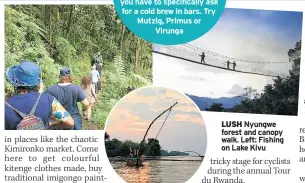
(152, 91)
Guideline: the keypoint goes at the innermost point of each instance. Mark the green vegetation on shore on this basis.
(151, 147)
(173, 153)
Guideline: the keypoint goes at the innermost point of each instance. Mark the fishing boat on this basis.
(137, 161)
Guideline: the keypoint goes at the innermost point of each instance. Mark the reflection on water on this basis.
(156, 171)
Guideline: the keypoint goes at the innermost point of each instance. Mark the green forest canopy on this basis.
(115, 147)
(280, 98)
(56, 36)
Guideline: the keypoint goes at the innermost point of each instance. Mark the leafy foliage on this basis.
(173, 153)
(153, 147)
(23, 42)
(280, 98)
(56, 36)
(120, 66)
(115, 147)
(216, 107)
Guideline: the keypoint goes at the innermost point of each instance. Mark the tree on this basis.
(107, 136)
(153, 147)
(250, 93)
(215, 107)
(173, 153)
(113, 147)
(280, 98)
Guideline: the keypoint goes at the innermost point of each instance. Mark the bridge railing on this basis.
(211, 59)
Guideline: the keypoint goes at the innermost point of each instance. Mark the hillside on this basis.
(205, 102)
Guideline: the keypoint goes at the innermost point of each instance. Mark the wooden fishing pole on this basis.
(154, 121)
(150, 126)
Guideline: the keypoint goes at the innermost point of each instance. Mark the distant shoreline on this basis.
(162, 158)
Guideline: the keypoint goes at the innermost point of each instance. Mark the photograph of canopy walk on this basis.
(249, 62)
(193, 54)
(152, 129)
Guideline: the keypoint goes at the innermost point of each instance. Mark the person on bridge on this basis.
(202, 58)
(228, 64)
(234, 65)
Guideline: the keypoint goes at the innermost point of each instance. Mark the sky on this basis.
(184, 130)
(260, 35)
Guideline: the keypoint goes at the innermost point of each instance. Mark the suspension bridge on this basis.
(190, 53)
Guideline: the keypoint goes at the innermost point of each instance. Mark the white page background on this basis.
(290, 125)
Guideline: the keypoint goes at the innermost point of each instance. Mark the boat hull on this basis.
(133, 162)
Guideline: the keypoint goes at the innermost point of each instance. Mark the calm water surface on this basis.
(157, 171)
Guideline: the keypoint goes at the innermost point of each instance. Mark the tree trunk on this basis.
(32, 10)
(50, 28)
(122, 36)
(57, 14)
(128, 56)
(137, 53)
(141, 55)
(70, 21)
(45, 16)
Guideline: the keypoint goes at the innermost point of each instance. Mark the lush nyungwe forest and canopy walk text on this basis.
(56, 36)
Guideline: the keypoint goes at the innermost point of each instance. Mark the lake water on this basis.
(167, 169)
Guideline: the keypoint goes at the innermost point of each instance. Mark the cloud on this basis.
(140, 123)
(122, 116)
(148, 92)
(192, 78)
(264, 13)
(193, 137)
(140, 109)
(244, 34)
(236, 90)
(187, 118)
(137, 129)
